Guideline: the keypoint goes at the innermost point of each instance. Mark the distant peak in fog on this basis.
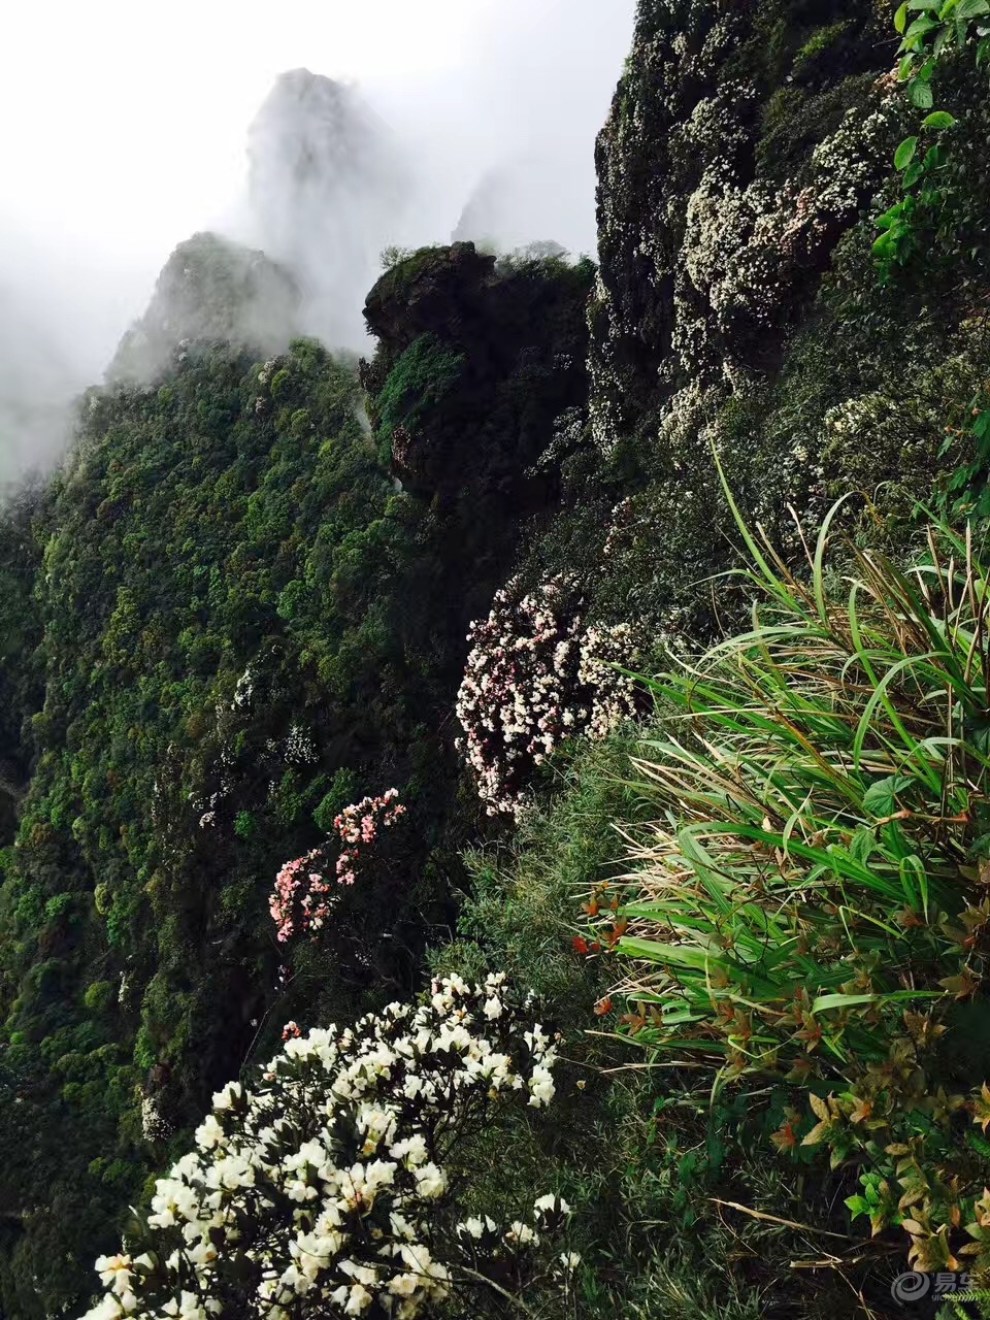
(326, 192)
(511, 207)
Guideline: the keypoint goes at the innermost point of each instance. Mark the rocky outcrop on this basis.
(477, 358)
(440, 290)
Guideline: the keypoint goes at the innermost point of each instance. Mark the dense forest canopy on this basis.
(521, 651)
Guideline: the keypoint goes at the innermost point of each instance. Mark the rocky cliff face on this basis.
(743, 141)
(738, 308)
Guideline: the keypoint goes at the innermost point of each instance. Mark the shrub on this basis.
(809, 905)
(99, 995)
(306, 889)
(245, 825)
(325, 1191)
(344, 788)
(537, 674)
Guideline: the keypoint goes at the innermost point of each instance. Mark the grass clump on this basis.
(806, 917)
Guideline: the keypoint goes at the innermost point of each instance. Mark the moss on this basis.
(420, 379)
(824, 41)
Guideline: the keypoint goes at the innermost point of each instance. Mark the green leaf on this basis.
(969, 9)
(905, 153)
(921, 94)
(938, 119)
(900, 18)
(676, 955)
(863, 843)
(880, 799)
(914, 879)
(912, 174)
(825, 1002)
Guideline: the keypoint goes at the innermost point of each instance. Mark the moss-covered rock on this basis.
(477, 357)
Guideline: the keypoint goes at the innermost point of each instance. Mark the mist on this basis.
(131, 128)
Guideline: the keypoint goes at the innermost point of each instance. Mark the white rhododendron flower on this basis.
(536, 674)
(323, 1191)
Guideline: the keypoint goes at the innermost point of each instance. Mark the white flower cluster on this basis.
(744, 245)
(535, 676)
(324, 1191)
(603, 649)
(268, 370)
(299, 748)
(243, 691)
(154, 1125)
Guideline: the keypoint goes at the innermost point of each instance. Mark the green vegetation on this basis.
(416, 384)
(814, 912)
(223, 599)
(642, 1155)
(225, 625)
(236, 803)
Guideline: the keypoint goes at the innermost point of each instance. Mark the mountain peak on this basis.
(325, 188)
(210, 290)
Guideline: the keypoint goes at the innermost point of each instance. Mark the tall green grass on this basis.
(808, 909)
(652, 1175)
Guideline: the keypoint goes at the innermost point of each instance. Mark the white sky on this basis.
(124, 123)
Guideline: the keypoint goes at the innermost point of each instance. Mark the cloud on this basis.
(126, 131)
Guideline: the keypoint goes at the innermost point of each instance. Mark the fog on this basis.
(130, 127)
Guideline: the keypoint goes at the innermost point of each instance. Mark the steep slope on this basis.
(739, 309)
(243, 602)
(20, 555)
(242, 626)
